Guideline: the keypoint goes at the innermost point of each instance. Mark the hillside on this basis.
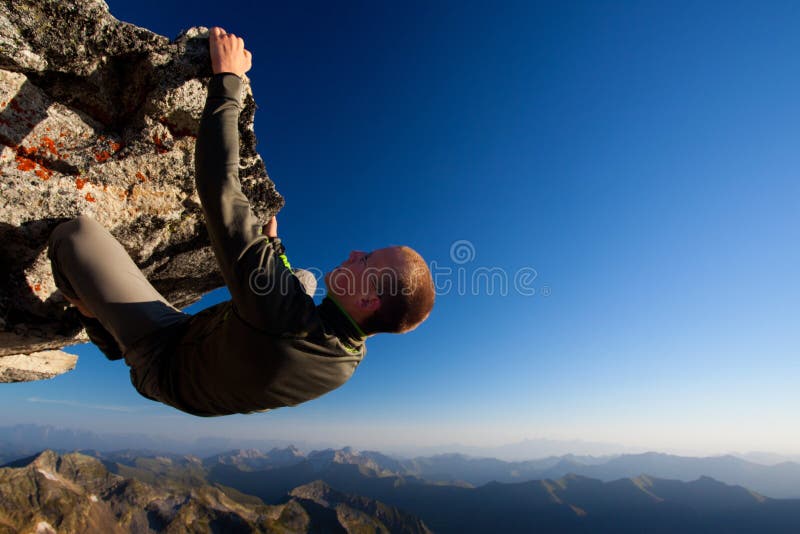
(75, 493)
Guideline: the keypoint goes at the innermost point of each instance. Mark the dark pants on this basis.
(90, 265)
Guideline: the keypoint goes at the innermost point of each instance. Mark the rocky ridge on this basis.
(74, 493)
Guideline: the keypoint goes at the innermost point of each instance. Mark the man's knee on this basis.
(69, 231)
(76, 225)
(62, 248)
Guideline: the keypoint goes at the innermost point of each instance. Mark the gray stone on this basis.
(35, 366)
(99, 117)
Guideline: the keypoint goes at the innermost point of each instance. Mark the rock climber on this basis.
(270, 345)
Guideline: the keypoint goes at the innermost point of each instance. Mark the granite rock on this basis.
(99, 117)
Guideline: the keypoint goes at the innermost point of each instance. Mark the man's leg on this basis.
(81, 308)
(92, 267)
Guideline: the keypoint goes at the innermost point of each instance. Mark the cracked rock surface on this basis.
(99, 117)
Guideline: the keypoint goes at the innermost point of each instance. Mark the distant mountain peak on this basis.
(291, 450)
(319, 492)
(356, 512)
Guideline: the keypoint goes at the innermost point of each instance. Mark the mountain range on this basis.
(348, 491)
(286, 489)
(775, 478)
(571, 503)
(776, 481)
(75, 493)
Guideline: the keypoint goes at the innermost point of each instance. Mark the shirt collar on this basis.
(344, 325)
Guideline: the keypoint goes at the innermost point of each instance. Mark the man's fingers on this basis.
(271, 228)
(220, 34)
(228, 53)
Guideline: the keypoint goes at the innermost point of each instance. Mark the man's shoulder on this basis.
(317, 337)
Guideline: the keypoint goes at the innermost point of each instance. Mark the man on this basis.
(270, 345)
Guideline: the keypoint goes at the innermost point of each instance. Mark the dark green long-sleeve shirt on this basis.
(270, 345)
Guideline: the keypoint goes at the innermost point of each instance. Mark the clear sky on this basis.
(640, 157)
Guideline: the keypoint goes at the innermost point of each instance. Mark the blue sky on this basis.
(641, 157)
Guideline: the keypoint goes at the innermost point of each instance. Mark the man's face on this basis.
(355, 281)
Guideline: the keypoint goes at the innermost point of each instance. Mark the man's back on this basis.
(222, 365)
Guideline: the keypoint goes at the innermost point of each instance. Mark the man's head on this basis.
(386, 290)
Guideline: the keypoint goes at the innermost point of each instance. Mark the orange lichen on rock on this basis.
(160, 148)
(141, 177)
(50, 145)
(106, 150)
(25, 155)
(79, 183)
(25, 164)
(28, 151)
(89, 197)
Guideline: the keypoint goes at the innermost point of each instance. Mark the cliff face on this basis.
(99, 117)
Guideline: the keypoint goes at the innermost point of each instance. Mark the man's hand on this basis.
(271, 228)
(228, 53)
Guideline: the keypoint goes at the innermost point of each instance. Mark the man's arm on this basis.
(229, 219)
(262, 287)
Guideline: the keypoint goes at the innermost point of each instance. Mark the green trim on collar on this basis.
(358, 328)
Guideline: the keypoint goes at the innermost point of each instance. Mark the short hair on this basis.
(407, 295)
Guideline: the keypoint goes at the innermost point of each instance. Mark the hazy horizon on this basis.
(541, 447)
(628, 170)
